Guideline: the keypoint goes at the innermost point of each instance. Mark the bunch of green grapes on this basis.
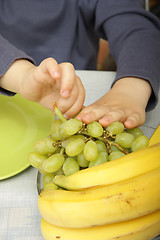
(73, 145)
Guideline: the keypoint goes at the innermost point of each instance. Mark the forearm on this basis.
(134, 41)
(9, 55)
(15, 74)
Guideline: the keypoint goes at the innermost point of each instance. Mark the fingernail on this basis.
(129, 123)
(106, 118)
(65, 93)
(56, 74)
(105, 121)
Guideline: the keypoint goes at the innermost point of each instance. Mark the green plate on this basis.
(21, 123)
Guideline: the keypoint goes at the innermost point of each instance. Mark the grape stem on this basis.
(58, 112)
(105, 137)
(58, 143)
(83, 130)
(107, 134)
(116, 145)
(84, 133)
(62, 151)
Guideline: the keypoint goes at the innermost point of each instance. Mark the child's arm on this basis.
(53, 82)
(125, 102)
(49, 82)
(133, 36)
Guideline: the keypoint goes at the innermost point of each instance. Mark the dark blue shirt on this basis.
(69, 30)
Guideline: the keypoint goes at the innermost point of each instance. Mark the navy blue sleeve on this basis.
(134, 41)
(7, 57)
(133, 35)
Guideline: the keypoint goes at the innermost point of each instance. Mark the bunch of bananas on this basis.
(115, 200)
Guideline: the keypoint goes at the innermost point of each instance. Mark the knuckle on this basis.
(49, 61)
(94, 113)
(68, 65)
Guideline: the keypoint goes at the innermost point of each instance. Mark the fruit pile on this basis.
(109, 198)
(72, 146)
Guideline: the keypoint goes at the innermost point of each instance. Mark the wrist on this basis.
(15, 75)
(132, 86)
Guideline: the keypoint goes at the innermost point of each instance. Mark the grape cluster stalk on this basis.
(72, 146)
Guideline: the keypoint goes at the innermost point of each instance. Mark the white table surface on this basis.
(19, 215)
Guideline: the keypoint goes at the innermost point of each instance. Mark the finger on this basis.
(91, 113)
(75, 109)
(118, 115)
(66, 104)
(50, 65)
(49, 70)
(134, 120)
(68, 79)
(78, 104)
(104, 114)
(106, 120)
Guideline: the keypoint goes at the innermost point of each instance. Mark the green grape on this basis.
(90, 150)
(50, 186)
(48, 178)
(36, 159)
(114, 148)
(53, 163)
(67, 140)
(115, 128)
(41, 170)
(59, 172)
(115, 155)
(101, 158)
(139, 143)
(82, 161)
(135, 132)
(45, 146)
(70, 127)
(101, 146)
(124, 139)
(55, 130)
(75, 147)
(95, 129)
(70, 166)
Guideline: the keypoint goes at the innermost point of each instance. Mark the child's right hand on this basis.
(49, 82)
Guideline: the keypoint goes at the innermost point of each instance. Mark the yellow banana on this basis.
(155, 138)
(102, 205)
(143, 228)
(126, 167)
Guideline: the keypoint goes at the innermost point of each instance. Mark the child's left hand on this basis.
(125, 102)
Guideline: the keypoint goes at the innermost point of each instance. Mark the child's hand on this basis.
(52, 82)
(49, 82)
(125, 102)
